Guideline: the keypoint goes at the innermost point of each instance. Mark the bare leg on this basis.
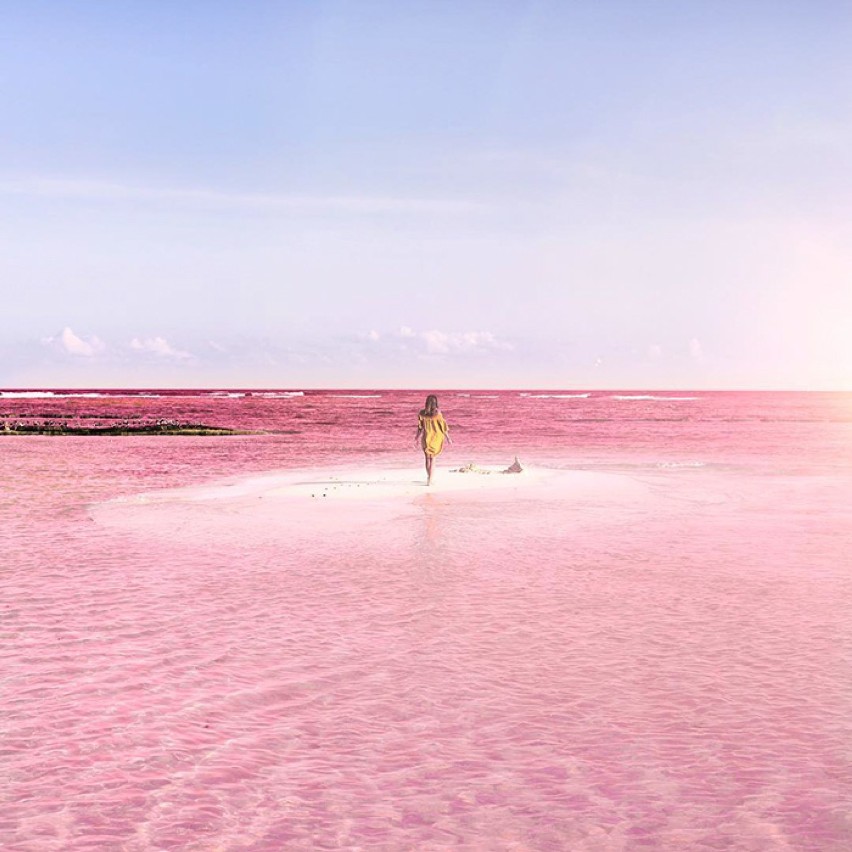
(428, 469)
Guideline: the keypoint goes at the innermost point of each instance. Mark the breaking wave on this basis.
(73, 394)
(652, 397)
(556, 395)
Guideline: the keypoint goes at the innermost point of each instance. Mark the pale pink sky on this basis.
(484, 195)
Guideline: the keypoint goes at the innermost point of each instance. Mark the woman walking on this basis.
(432, 431)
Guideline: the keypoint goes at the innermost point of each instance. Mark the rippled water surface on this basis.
(664, 664)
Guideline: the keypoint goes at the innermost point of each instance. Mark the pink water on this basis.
(664, 666)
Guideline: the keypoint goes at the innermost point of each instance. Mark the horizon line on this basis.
(433, 388)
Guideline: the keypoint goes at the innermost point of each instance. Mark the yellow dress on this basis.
(434, 430)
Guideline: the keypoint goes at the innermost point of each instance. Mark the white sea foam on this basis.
(226, 395)
(556, 395)
(47, 395)
(278, 394)
(356, 395)
(72, 395)
(650, 397)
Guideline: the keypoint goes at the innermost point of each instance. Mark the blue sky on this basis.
(608, 194)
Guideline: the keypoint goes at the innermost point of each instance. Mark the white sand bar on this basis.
(397, 485)
(402, 483)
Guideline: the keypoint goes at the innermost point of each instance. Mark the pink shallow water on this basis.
(663, 664)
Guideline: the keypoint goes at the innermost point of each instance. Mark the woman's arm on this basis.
(446, 430)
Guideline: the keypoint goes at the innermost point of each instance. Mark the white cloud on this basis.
(158, 346)
(436, 342)
(73, 344)
(101, 190)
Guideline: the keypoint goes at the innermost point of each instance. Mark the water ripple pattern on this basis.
(664, 664)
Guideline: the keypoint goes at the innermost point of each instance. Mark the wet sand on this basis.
(333, 500)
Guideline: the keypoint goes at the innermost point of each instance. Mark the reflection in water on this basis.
(431, 512)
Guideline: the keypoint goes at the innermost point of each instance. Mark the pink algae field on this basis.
(662, 663)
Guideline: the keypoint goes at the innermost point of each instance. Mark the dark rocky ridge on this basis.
(55, 426)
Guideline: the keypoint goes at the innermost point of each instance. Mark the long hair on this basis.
(431, 407)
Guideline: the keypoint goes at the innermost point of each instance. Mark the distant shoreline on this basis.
(60, 429)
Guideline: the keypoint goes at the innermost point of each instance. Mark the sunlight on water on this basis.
(664, 664)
